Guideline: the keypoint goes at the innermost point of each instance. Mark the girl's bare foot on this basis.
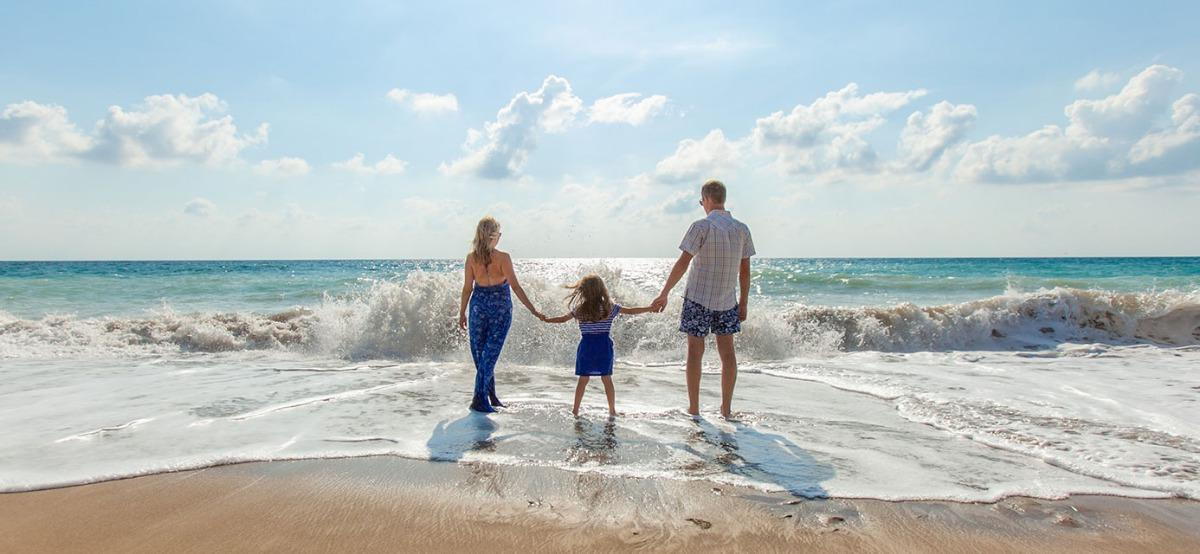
(575, 412)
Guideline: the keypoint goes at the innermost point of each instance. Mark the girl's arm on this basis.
(559, 319)
(635, 311)
(468, 282)
(515, 285)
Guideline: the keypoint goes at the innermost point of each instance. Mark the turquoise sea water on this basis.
(34, 289)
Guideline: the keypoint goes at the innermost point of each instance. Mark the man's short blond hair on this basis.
(714, 190)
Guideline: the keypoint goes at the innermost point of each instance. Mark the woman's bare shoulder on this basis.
(501, 255)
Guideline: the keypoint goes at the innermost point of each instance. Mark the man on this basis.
(718, 248)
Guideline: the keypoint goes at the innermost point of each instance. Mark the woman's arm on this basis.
(635, 311)
(468, 283)
(511, 275)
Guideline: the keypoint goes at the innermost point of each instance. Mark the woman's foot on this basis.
(496, 403)
(482, 407)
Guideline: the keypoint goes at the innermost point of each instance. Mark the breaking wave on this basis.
(415, 318)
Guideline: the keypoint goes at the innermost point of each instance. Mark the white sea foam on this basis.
(414, 319)
(1044, 393)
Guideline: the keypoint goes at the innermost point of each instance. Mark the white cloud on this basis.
(283, 167)
(1129, 112)
(35, 133)
(389, 165)
(1097, 80)
(1176, 147)
(424, 102)
(501, 149)
(927, 136)
(682, 202)
(1109, 138)
(828, 134)
(696, 159)
(626, 108)
(168, 129)
(163, 130)
(199, 207)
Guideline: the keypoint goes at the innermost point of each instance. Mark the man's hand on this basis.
(659, 304)
(743, 311)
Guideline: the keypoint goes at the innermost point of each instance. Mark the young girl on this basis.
(591, 306)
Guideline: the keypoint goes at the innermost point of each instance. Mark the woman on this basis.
(487, 278)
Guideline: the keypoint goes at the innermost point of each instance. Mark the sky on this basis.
(287, 130)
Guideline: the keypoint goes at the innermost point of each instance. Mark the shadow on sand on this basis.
(472, 432)
(763, 457)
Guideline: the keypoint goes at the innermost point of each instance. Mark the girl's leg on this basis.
(579, 388)
(608, 391)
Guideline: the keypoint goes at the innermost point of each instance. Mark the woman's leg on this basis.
(479, 329)
(579, 388)
(496, 336)
(608, 391)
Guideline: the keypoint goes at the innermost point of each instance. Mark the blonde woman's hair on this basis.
(589, 299)
(481, 247)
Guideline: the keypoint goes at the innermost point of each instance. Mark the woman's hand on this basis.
(462, 321)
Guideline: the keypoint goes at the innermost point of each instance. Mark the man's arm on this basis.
(681, 267)
(744, 285)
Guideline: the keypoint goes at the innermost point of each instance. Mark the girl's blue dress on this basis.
(594, 357)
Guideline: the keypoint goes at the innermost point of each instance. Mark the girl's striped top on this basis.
(601, 327)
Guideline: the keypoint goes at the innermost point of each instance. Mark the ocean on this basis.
(954, 379)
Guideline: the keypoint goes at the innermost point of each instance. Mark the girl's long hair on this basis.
(481, 247)
(589, 299)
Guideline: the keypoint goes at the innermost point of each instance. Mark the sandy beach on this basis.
(392, 504)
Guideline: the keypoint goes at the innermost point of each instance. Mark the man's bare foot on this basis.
(693, 412)
(612, 414)
(727, 414)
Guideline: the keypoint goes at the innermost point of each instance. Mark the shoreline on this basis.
(385, 503)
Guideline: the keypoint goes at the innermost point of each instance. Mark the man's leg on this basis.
(695, 356)
(728, 372)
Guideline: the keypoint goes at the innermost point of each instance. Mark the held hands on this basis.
(659, 304)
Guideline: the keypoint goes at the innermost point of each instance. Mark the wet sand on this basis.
(387, 504)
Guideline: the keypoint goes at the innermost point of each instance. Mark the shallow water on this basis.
(893, 379)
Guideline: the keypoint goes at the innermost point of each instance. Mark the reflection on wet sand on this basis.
(594, 442)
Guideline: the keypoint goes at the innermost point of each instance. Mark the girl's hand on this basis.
(462, 321)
